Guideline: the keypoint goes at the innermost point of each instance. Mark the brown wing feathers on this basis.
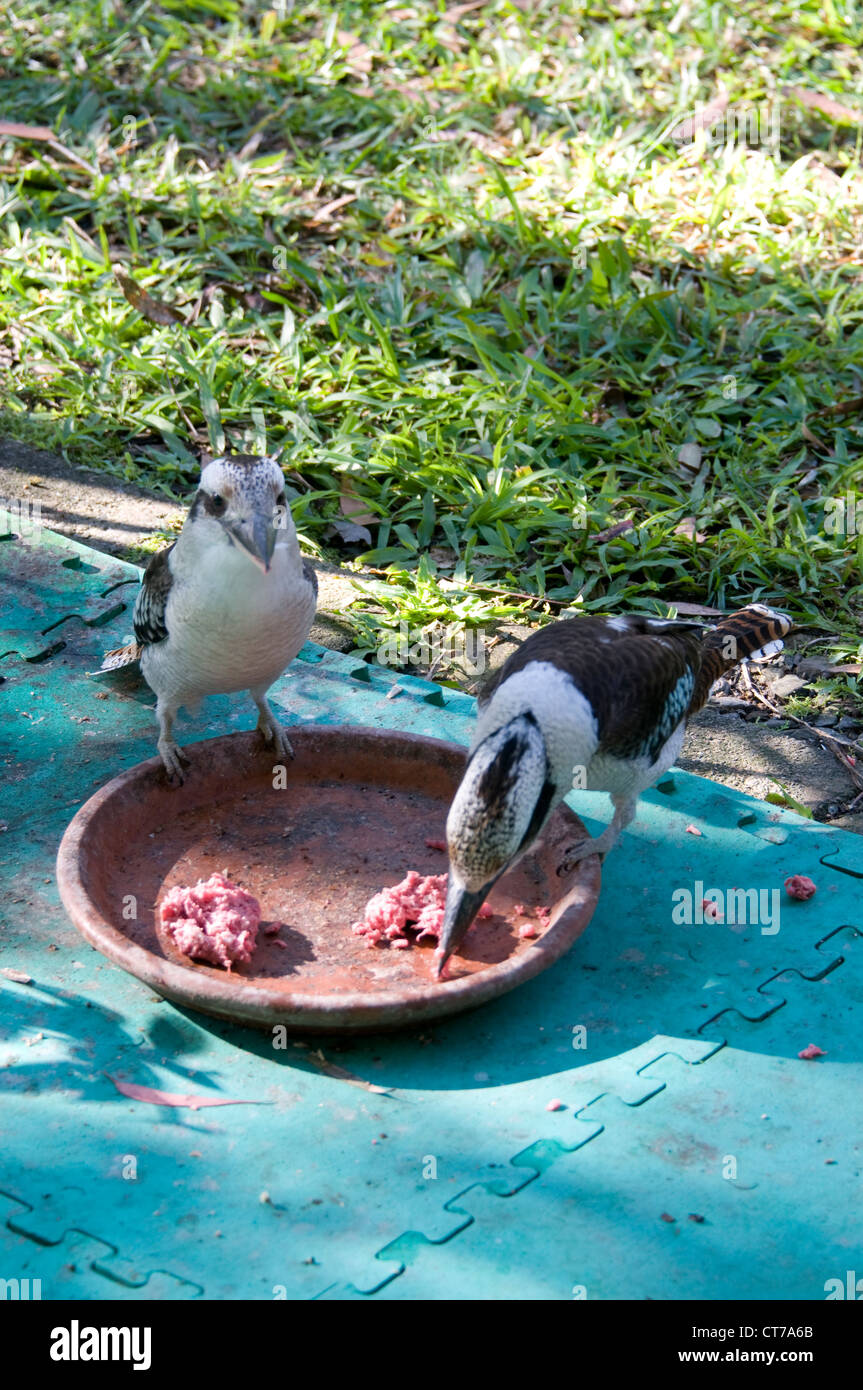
(637, 676)
(642, 676)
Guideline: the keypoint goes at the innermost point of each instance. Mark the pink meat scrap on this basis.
(543, 916)
(417, 902)
(800, 887)
(215, 921)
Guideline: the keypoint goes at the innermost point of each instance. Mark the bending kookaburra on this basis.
(230, 603)
(602, 701)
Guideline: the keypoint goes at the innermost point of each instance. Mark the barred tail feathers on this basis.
(745, 633)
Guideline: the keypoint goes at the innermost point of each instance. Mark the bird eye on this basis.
(217, 503)
(281, 500)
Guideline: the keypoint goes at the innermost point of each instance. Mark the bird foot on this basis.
(583, 850)
(173, 757)
(272, 733)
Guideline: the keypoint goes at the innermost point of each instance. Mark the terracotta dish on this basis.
(355, 811)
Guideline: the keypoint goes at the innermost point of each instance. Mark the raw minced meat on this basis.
(215, 921)
(800, 887)
(417, 902)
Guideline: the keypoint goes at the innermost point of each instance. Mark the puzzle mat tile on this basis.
(77, 1267)
(740, 1179)
(68, 1137)
(759, 1120)
(822, 1010)
(178, 1189)
(53, 587)
(469, 1094)
(69, 1131)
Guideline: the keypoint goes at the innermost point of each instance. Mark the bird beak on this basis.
(257, 536)
(461, 907)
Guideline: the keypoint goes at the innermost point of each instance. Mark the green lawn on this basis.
(455, 264)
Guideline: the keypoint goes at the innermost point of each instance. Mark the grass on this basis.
(455, 266)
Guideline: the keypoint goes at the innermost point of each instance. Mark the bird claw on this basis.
(283, 746)
(173, 758)
(577, 853)
(273, 733)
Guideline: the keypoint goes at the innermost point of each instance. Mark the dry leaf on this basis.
(360, 57)
(818, 101)
(338, 1073)
(352, 506)
(686, 527)
(817, 666)
(690, 456)
(17, 975)
(396, 215)
(696, 610)
(46, 134)
(602, 536)
(154, 1097)
(812, 438)
(455, 12)
(701, 120)
(150, 308)
(351, 533)
(850, 407)
(325, 213)
(27, 132)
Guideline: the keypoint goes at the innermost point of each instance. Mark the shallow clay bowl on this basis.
(355, 814)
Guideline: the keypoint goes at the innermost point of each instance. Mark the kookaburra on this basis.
(601, 703)
(229, 604)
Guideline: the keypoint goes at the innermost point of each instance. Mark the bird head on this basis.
(501, 805)
(244, 496)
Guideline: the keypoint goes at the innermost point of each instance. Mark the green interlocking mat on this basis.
(694, 1154)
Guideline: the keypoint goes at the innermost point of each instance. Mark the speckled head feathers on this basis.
(243, 481)
(495, 807)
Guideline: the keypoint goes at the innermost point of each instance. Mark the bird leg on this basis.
(269, 726)
(170, 752)
(624, 810)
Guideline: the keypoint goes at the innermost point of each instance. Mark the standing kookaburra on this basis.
(602, 701)
(230, 603)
